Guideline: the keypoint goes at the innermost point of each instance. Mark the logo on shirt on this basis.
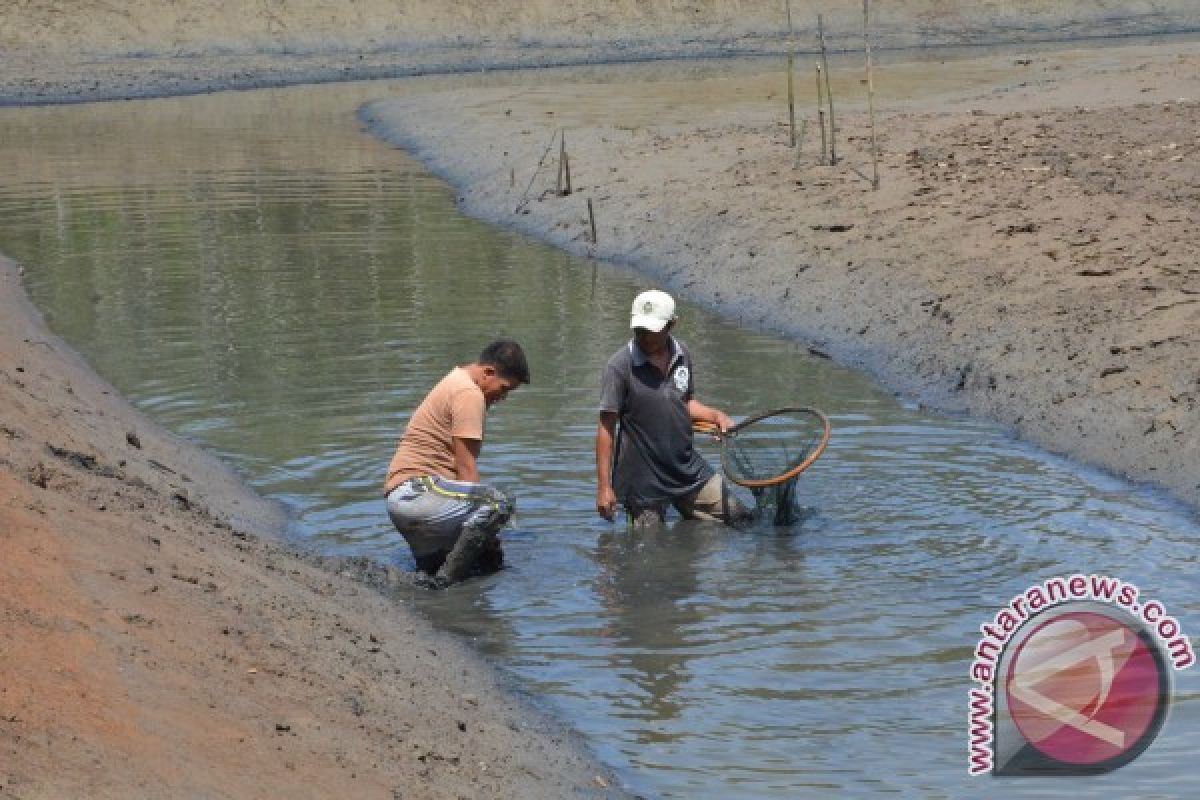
(681, 379)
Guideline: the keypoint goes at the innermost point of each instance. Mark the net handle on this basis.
(762, 483)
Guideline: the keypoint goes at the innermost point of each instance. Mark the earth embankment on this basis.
(54, 52)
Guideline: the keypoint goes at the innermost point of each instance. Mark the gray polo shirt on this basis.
(655, 461)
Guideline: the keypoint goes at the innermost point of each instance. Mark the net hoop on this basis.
(763, 483)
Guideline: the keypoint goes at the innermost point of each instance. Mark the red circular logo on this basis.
(1086, 688)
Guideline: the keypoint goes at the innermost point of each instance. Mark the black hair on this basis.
(508, 358)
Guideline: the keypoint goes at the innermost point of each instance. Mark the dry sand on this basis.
(1026, 258)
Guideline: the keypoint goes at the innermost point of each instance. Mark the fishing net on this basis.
(767, 453)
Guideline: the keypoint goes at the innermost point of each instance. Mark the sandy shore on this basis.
(1030, 255)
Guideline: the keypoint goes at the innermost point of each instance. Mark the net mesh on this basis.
(766, 448)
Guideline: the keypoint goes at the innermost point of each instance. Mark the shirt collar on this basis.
(640, 358)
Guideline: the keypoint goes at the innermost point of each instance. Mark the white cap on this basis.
(652, 310)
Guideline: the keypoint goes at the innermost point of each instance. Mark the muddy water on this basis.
(262, 277)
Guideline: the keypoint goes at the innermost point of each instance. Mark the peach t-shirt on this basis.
(455, 407)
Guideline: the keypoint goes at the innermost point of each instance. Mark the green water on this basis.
(263, 277)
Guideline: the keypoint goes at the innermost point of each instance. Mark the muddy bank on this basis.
(1030, 256)
(154, 644)
(52, 52)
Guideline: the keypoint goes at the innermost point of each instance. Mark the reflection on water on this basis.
(265, 279)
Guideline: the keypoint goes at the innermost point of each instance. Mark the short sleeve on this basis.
(612, 389)
(467, 411)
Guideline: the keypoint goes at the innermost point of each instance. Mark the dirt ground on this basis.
(1030, 255)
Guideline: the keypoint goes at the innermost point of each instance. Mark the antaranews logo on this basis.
(1073, 677)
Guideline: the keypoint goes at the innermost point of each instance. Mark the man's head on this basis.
(503, 368)
(653, 311)
(652, 318)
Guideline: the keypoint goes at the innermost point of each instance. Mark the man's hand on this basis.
(606, 503)
(606, 498)
(702, 413)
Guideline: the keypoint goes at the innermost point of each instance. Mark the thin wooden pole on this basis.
(828, 92)
(791, 61)
(562, 162)
(821, 117)
(524, 201)
(870, 94)
(592, 219)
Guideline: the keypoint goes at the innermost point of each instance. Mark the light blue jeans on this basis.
(432, 513)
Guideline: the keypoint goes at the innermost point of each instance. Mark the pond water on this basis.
(261, 276)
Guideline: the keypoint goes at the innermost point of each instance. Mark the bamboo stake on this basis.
(821, 117)
(562, 157)
(791, 61)
(592, 219)
(870, 94)
(828, 92)
(558, 180)
(562, 187)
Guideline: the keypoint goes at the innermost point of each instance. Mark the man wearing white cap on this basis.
(647, 387)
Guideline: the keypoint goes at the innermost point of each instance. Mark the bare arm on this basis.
(606, 499)
(702, 413)
(466, 453)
